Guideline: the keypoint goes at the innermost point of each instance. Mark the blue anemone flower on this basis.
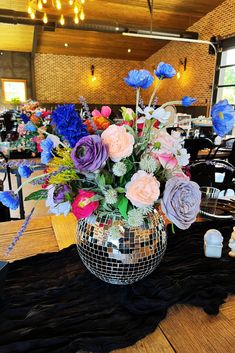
(164, 70)
(24, 117)
(30, 127)
(139, 79)
(69, 124)
(9, 199)
(187, 101)
(24, 171)
(222, 117)
(47, 147)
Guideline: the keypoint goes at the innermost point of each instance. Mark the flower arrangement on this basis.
(97, 166)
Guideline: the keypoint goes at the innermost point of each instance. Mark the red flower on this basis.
(82, 207)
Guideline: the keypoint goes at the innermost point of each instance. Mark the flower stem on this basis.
(30, 180)
(154, 93)
(136, 106)
(47, 133)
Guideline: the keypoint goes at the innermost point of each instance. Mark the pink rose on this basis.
(143, 189)
(167, 160)
(82, 207)
(119, 142)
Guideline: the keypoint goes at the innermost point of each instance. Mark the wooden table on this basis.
(224, 154)
(186, 329)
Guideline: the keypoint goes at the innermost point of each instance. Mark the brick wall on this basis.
(62, 79)
(196, 81)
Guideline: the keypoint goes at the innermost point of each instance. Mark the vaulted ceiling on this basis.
(96, 36)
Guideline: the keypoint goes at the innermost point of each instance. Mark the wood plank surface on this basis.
(38, 238)
(190, 329)
(153, 343)
(186, 329)
(64, 229)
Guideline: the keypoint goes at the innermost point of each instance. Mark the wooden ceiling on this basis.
(168, 15)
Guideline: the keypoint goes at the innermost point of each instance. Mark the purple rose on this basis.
(89, 153)
(60, 193)
(181, 201)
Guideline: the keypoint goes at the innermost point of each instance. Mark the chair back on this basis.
(193, 146)
(216, 173)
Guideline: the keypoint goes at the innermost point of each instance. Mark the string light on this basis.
(62, 21)
(76, 9)
(82, 15)
(56, 5)
(39, 5)
(76, 19)
(45, 19)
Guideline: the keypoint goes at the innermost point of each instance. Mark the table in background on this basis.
(186, 329)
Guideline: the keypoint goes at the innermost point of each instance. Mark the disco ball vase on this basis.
(117, 253)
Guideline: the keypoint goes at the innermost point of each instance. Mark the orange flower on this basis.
(100, 122)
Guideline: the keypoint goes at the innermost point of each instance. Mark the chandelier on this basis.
(58, 8)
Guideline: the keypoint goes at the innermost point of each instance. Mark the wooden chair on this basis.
(216, 173)
(193, 146)
(229, 143)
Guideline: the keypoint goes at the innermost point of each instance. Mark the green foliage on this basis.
(37, 195)
(122, 205)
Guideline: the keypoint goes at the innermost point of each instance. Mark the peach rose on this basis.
(143, 189)
(119, 141)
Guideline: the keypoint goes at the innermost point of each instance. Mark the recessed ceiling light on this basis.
(66, 45)
(129, 50)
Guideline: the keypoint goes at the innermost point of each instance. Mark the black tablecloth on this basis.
(52, 304)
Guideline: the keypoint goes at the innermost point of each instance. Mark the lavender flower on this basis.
(21, 231)
(181, 201)
(9, 199)
(89, 153)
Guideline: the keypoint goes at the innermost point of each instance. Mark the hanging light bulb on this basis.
(58, 5)
(178, 75)
(32, 15)
(62, 21)
(71, 2)
(76, 19)
(45, 19)
(82, 15)
(39, 5)
(44, 1)
(76, 9)
(29, 10)
(82, 1)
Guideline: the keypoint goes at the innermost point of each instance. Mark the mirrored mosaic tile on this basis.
(118, 254)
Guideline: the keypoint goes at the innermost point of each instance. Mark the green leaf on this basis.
(122, 206)
(129, 165)
(100, 180)
(37, 195)
(120, 190)
(96, 198)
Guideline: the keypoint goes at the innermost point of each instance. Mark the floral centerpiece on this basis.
(116, 174)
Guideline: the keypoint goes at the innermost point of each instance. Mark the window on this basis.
(13, 89)
(225, 73)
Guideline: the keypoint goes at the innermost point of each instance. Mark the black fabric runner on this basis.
(52, 304)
